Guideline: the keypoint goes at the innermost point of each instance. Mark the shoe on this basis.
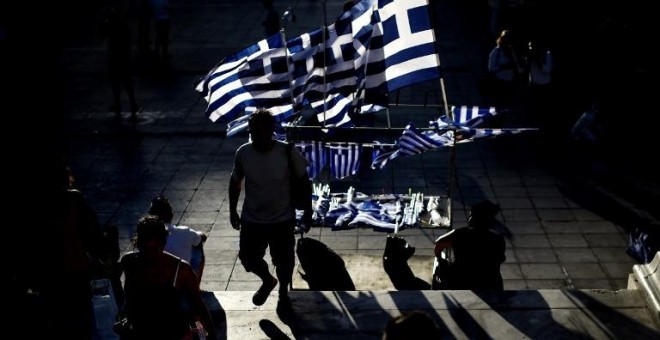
(260, 296)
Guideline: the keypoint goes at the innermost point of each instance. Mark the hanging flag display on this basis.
(376, 47)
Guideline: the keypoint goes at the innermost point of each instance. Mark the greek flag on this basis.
(315, 153)
(393, 46)
(231, 62)
(254, 77)
(413, 141)
(469, 135)
(237, 125)
(402, 47)
(378, 45)
(471, 116)
(344, 159)
(381, 154)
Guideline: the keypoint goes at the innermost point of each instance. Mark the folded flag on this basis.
(344, 159)
(315, 153)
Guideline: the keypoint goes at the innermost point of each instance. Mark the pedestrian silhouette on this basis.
(69, 255)
(268, 217)
(271, 23)
(161, 16)
(505, 66)
(141, 11)
(119, 61)
(539, 95)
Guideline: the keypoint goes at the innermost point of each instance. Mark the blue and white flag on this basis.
(413, 141)
(402, 48)
(469, 135)
(315, 153)
(324, 70)
(378, 45)
(252, 78)
(470, 116)
(381, 154)
(237, 125)
(231, 62)
(344, 159)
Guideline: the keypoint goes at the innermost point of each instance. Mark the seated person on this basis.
(478, 252)
(183, 242)
(162, 297)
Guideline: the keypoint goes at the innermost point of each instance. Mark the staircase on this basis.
(631, 313)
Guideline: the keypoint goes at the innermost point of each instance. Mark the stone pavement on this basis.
(564, 229)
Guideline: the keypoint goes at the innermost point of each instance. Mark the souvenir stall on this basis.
(345, 74)
(326, 86)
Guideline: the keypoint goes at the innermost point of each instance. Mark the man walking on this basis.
(265, 167)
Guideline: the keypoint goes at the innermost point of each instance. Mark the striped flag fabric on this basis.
(230, 62)
(393, 47)
(381, 154)
(330, 81)
(315, 153)
(378, 45)
(344, 159)
(252, 78)
(237, 125)
(414, 141)
(471, 116)
(402, 48)
(469, 135)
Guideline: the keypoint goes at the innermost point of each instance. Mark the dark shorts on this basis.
(256, 237)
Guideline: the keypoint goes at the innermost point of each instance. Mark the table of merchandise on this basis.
(383, 212)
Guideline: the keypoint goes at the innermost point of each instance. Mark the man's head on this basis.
(483, 213)
(162, 208)
(262, 126)
(151, 235)
(348, 4)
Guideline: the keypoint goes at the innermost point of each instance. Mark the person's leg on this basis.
(282, 250)
(116, 96)
(253, 244)
(158, 41)
(165, 40)
(130, 90)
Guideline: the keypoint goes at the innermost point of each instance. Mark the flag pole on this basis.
(452, 157)
(325, 83)
(286, 53)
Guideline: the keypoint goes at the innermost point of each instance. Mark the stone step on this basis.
(535, 314)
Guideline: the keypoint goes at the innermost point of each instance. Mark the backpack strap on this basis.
(292, 168)
(176, 273)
